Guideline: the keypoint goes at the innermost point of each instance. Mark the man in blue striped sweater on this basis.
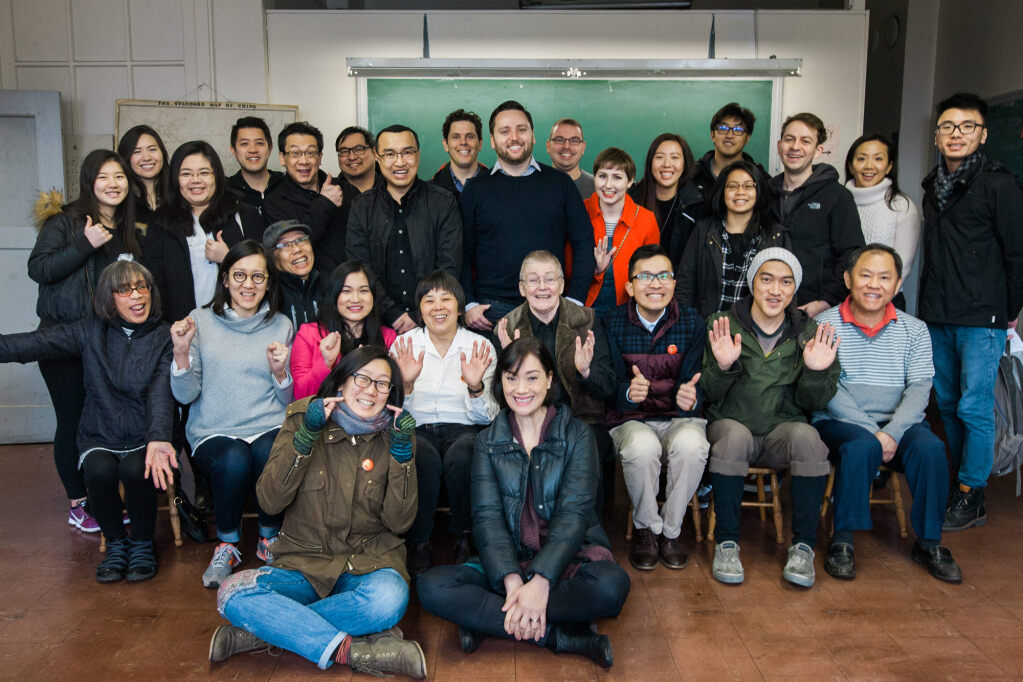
(877, 415)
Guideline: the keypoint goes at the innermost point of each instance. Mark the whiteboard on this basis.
(180, 122)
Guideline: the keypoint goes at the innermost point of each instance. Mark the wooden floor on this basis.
(893, 622)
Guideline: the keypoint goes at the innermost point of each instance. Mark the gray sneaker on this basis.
(799, 567)
(225, 557)
(383, 653)
(727, 568)
(228, 640)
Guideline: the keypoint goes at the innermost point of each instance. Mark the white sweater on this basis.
(897, 227)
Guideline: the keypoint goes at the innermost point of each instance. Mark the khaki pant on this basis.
(790, 445)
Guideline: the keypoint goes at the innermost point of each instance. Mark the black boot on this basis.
(469, 640)
(115, 563)
(965, 510)
(463, 548)
(578, 638)
(141, 560)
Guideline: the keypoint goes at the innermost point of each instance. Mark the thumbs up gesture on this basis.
(332, 191)
(639, 387)
(686, 396)
(216, 249)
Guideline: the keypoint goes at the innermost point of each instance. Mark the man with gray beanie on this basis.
(766, 365)
(291, 252)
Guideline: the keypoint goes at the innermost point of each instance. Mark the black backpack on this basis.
(1009, 417)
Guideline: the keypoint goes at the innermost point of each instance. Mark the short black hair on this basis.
(299, 128)
(251, 122)
(510, 359)
(644, 252)
(509, 105)
(963, 100)
(352, 362)
(397, 128)
(462, 115)
(118, 274)
(351, 130)
(734, 110)
(445, 281)
(761, 215)
(874, 247)
(221, 293)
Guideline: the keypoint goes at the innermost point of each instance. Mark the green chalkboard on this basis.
(619, 113)
(1005, 134)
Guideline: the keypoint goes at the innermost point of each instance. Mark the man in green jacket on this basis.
(760, 383)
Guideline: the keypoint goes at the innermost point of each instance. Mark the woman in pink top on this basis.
(348, 319)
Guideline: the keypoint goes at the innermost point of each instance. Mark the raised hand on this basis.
(639, 387)
(602, 255)
(725, 348)
(502, 333)
(584, 354)
(277, 357)
(332, 191)
(475, 366)
(216, 249)
(160, 460)
(96, 234)
(820, 352)
(330, 348)
(685, 398)
(182, 332)
(475, 319)
(410, 365)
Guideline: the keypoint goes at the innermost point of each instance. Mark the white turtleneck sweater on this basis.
(898, 226)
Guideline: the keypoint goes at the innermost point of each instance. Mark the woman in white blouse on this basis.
(447, 371)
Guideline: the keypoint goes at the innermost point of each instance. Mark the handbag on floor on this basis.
(192, 522)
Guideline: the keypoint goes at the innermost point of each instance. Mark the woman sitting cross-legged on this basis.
(125, 430)
(343, 474)
(545, 570)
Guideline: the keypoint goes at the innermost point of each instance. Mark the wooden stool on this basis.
(761, 503)
(694, 504)
(171, 509)
(894, 498)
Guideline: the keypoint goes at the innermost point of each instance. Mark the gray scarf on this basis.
(945, 183)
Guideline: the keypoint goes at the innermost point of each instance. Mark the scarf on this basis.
(354, 425)
(945, 183)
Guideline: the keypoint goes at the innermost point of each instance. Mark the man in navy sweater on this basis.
(519, 207)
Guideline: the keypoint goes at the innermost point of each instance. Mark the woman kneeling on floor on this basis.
(125, 431)
(545, 570)
(342, 472)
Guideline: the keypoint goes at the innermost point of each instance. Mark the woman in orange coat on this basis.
(620, 226)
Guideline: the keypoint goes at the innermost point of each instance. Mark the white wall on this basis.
(307, 50)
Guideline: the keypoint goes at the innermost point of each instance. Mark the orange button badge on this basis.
(367, 464)
(672, 349)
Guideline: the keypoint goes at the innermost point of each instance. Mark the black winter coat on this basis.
(128, 399)
(165, 253)
(300, 299)
(563, 473)
(328, 223)
(253, 197)
(698, 279)
(824, 227)
(676, 227)
(705, 181)
(973, 250)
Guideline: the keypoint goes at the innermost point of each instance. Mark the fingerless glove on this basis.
(311, 428)
(401, 437)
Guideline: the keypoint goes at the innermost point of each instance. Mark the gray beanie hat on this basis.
(775, 253)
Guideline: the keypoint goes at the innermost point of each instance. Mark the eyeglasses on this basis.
(256, 277)
(573, 141)
(307, 153)
(745, 187)
(533, 282)
(280, 246)
(363, 381)
(966, 127)
(664, 277)
(390, 156)
(358, 150)
(127, 290)
(725, 129)
(202, 175)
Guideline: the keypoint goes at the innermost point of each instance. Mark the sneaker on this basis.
(141, 561)
(726, 567)
(115, 561)
(385, 653)
(81, 519)
(228, 640)
(126, 519)
(965, 510)
(225, 557)
(263, 551)
(799, 567)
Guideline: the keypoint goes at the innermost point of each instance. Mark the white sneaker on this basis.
(726, 567)
(799, 567)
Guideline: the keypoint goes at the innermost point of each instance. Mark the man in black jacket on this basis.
(971, 288)
(463, 140)
(251, 146)
(309, 195)
(404, 230)
(730, 131)
(818, 211)
(290, 250)
(355, 158)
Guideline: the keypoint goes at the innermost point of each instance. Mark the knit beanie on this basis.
(775, 253)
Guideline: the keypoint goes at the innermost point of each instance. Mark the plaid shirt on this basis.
(733, 270)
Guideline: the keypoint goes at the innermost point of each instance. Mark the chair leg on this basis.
(827, 492)
(712, 520)
(628, 525)
(761, 496)
(172, 510)
(900, 511)
(776, 505)
(102, 543)
(695, 504)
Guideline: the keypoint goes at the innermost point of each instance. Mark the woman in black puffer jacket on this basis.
(125, 426)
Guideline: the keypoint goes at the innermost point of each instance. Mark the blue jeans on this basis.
(965, 367)
(281, 608)
(233, 467)
(920, 455)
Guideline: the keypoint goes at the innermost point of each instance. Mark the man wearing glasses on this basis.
(405, 229)
(657, 347)
(355, 158)
(463, 140)
(291, 254)
(730, 130)
(308, 194)
(566, 147)
(971, 289)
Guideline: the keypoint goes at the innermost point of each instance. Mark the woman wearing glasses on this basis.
(231, 366)
(887, 216)
(125, 427)
(712, 274)
(343, 475)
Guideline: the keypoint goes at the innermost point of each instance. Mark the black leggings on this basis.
(66, 385)
(103, 471)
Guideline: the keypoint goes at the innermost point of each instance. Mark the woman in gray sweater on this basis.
(231, 365)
